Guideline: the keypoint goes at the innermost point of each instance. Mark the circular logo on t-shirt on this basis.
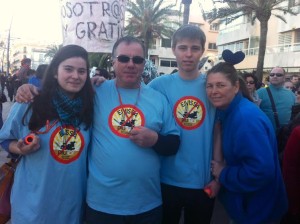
(189, 112)
(66, 144)
(124, 118)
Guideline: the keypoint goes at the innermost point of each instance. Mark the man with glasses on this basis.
(132, 127)
(283, 98)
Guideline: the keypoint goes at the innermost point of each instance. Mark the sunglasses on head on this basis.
(126, 59)
(250, 82)
(276, 74)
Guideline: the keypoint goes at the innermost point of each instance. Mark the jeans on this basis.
(150, 217)
(195, 204)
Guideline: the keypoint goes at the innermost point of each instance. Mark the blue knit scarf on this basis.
(68, 109)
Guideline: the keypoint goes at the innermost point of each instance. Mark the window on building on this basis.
(297, 40)
(41, 57)
(166, 43)
(285, 41)
(212, 46)
(297, 36)
(214, 26)
(239, 46)
(173, 64)
(165, 63)
(168, 63)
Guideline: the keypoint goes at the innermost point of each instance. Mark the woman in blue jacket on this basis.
(252, 189)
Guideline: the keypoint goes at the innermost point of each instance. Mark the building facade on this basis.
(283, 41)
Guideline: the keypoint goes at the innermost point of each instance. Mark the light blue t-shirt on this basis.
(284, 100)
(194, 114)
(123, 177)
(50, 184)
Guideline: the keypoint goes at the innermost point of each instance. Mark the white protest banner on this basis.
(94, 25)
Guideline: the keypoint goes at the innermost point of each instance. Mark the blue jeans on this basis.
(197, 206)
(153, 216)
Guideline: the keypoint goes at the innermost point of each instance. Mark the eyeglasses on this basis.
(125, 59)
(250, 82)
(276, 74)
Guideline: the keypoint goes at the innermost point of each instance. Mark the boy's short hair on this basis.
(191, 32)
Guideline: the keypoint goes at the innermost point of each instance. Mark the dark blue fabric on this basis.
(252, 186)
(67, 109)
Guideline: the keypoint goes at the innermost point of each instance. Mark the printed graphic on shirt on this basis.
(124, 118)
(66, 144)
(189, 112)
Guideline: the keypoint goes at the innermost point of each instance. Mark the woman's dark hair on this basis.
(231, 74)
(40, 71)
(297, 86)
(42, 107)
(246, 75)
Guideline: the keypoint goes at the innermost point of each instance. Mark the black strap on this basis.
(273, 107)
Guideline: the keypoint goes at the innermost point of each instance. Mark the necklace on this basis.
(120, 98)
(133, 112)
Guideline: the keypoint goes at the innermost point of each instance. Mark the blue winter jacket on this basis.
(252, 186)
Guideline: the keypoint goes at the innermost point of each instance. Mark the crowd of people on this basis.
(131, 151)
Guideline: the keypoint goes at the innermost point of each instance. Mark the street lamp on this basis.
(7, 53)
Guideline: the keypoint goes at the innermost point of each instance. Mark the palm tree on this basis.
(52, 50)
(149, 19)
(186, 11)
(256, 9)
(100, 60)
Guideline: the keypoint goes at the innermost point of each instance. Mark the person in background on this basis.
(288, 85)
(50, 179)
(284, 99)
(150, 71)
(291, 171)
(297, 92)
(294, 79)
(3, 80)
(252, 85)
(102, 72)
(22, 73)
(37, 78)
(10, 87)
(252, 188)
(184, 175)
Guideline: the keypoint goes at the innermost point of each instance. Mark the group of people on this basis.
(24, 75)
(149, 147)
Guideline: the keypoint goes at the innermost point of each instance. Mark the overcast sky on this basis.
(41, 18)
(38, 18)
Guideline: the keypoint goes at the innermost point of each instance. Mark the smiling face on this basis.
(128, 74)
(72, 75)
(220, 90)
